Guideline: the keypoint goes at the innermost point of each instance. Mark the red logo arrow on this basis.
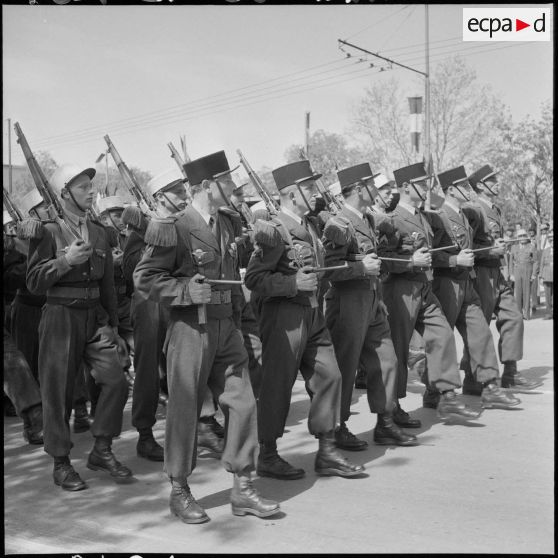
(519, 25)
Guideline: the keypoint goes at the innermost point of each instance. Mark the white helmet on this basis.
(335, 188)
(109, 202)
(381, 180)
(6, 218)
(30, 201)
(164, 180)
(63, 175)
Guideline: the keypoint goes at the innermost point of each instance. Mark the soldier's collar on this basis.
(292, 215)
(355, 211)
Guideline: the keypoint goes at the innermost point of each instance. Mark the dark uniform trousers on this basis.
(150, 320)
(252, 342)
(412, 305)
(355, 315)
(522, 289)
(199, 357)
(295, 337)
(19, 384)
(293, 329)
(494, 291)
(453, 286)
(74, 334)
(361, 337)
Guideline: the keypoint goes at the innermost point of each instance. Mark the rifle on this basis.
(145, 202)
(332, 203)
(14, 212)
(176, 156)
(271, 205)
(53, 205)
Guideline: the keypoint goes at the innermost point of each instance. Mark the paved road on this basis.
(486, 488)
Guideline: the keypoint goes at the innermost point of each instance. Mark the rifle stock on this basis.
(14, 212)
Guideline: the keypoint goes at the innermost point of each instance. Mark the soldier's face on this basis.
(175, 196)
(310, 192)
(384, 197)
(462, 191)
(417, 191)
(40, 212)
(493, 187)
(81, 188)
(116, 219)
(222, 195)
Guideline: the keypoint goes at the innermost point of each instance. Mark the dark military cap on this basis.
(450, 177)
(347, 177)
(207, 168)
(482, 174)
(293, 173)
(412, 173)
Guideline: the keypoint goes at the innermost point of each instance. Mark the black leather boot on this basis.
(147, 447)
(183, 504)
(101, 458)
(512, 378)
(450, 407)
(330, 462)
(360, 380)
(495, 398)
(33, 425)
(345, 439)
(402, 418)
(387, 433)
(245, 498)
(430, 398)
(270, 464)
(208, 439)
(65, 475)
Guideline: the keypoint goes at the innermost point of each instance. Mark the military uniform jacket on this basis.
(133, 251)
(170, 261)
(282, 247)
(547, 260)
(450, 227)
(407, 234)
(524, 256)
(48, 267)
(487, 226)
(346, 235)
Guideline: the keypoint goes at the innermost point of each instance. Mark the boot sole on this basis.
(191, 521)
(407, 425)
(456, 416)
(72, 489)
(281, 477)
(392, 442)
(150, 457)
(351, 448)
(124, 480)
(329, 472)
(244, 511)
(500, 405)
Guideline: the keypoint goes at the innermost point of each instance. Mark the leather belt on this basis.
(84, 293)
(220, 297)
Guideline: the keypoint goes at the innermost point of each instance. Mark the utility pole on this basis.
(427, 109)
(10, 155)
(307, 135)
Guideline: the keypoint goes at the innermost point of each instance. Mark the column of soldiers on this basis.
(165, 290)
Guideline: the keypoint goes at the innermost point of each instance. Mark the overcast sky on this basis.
(227, 77)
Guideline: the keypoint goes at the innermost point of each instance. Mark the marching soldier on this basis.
(524, 269)
(294, 333)
(453, 286)
(355, 314)
(203, 347)
(71, 263)
(547, 273)
(495, 294)
(410, 301)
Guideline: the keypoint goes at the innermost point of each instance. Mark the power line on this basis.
(376, 22)
(397, 28)
(194, 102)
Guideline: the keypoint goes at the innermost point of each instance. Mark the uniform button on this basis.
(84, 273)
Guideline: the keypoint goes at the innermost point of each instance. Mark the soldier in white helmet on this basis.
(71, 263)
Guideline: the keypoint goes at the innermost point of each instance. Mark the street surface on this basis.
(483, 488)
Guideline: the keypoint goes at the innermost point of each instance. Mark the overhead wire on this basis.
(377, 22)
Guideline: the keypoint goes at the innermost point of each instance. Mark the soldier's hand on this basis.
(372, 264)
(199, 292)
(422, 258)
(117, 256)
(466, 258)
(306, 280)
(499, 248)
(78, 252)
